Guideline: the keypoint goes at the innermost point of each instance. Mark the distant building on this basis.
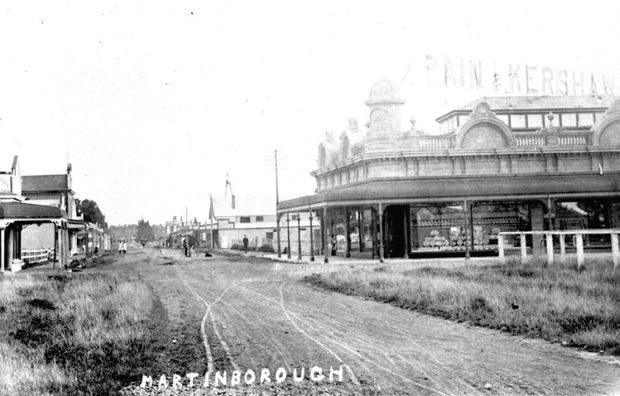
(498, 164)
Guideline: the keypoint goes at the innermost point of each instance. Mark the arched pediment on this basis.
(483, 130)
(606, 131)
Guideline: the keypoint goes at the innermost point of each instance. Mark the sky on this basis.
(155, 102)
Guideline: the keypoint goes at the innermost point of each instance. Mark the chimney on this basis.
(233, 201)
(68, 168)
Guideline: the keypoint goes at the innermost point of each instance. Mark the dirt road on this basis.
(239, 314)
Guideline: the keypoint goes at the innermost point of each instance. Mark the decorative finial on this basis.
(412, 121)
(550, 117)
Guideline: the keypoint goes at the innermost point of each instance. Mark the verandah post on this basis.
(2, 243)
(381, 251)
(562, 246)
(288, 237)
(311, 237)
(298, 236)
(326, 236)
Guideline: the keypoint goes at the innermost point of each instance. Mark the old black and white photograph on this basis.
(309, 198)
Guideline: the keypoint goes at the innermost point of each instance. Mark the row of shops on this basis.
(393, 192)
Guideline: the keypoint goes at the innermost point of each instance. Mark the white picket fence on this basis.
(577, 234)
(36, 256)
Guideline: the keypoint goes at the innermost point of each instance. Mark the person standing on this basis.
(185, 246)
(245, 243)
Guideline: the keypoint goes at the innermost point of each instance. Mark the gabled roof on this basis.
(41, 183)
(18, 210)
(542, 103)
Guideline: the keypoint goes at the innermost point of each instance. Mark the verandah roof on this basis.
(18, 210)
(438, 188)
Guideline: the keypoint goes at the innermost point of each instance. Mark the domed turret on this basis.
(384, 104)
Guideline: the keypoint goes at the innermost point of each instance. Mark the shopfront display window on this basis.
(489, 219)
(438, 228)
(581, 214)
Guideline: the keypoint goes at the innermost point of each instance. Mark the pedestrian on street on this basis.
(185, 246)
(245, 243)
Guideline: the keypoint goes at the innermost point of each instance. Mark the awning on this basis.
(468, 187)
(19, 211)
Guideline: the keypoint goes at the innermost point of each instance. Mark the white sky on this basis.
(154, 102)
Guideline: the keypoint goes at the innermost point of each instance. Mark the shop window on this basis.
(491, 219)
(583, 214)
(244, 219)
(438, 228)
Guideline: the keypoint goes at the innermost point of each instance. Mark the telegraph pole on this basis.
(275, 154)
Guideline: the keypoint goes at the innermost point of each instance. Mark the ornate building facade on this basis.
(498, 164)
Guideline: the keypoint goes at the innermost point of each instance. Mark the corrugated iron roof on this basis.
(38, 183)
(459, 187)
(18, 210)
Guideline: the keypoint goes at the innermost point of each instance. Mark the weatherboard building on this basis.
(498, 164)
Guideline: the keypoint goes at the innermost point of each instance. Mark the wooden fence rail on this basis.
(35, 256)
(578, 234)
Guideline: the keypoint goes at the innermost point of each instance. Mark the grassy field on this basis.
(88, 333)
(580, 308)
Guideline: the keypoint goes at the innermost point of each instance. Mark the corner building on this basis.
(498, 164)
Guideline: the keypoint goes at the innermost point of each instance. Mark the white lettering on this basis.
(249, 377)
(163, 383)
(301, 376)
(332, 372)
(264, 376)
(176, 382)
(219, 378)
(191, 377)
(280, 375)
(146, 381)
(316, 374)
(235, 378)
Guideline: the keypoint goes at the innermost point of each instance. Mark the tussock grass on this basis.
(559, 302)
(87, 334)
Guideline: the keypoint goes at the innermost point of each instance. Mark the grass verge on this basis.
(84, 334)
(580, 308)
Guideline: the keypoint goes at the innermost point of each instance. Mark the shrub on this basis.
(265, 248)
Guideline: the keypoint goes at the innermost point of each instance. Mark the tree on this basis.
(92, 213)
(144, 231)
